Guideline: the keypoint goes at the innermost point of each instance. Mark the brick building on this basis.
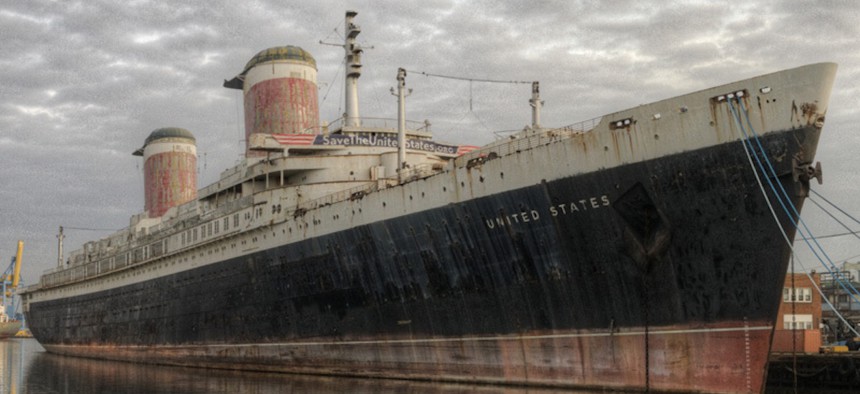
(799, 320)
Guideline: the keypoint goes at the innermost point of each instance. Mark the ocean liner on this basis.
(635, 251)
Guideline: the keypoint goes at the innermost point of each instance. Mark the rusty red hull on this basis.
(722, 358)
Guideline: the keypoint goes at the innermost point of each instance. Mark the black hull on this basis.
(678, 240)
(640, 276)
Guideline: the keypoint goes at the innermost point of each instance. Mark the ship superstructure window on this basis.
(621, 123)
(226, 223)
(183, 238)
(236, 220)
(798, 294)
(217, 224)
(194, 235)
(797, 322)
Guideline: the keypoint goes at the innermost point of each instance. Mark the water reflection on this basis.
(12, 353)
(26, 368)
(49, 373)
(52, 374)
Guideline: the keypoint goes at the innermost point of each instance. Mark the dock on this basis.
(840, 371)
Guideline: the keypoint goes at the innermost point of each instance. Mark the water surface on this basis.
(25, 367)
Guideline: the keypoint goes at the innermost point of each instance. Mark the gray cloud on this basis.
(84, 83)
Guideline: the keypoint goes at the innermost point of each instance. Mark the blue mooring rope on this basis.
(747, 142)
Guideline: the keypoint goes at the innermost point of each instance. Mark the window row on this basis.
(798, 294)
(214, 227)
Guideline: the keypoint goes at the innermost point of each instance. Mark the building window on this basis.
(799, 294)
(797, 322)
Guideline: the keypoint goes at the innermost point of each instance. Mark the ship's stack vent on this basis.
(169, 169)
(280, 93)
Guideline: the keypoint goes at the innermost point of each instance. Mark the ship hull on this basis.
(664, 274)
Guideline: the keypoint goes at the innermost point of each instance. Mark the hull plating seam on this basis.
(467, 339)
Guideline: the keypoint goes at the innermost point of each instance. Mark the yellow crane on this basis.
(10, 320)
(12, 276)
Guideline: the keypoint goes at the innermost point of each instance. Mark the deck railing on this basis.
(519, 143)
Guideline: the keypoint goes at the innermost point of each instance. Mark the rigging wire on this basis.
(88, 229)
(747, 140)
(850, 257)
(805, 229)
(342, 66)
(470, 80)
(776, 219)
(835, 206)
(850, 232)
(481, 121)
(336, 75)
(856, 293)
(835, 235)
(426, 74)
(334, 30)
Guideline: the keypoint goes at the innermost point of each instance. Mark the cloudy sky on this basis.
(83, 83)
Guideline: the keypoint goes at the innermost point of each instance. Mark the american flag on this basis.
(295, 139)
(463, 149)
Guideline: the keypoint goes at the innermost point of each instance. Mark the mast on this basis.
(536, 104)
(401, 119)
(60, 237)
(353, 71)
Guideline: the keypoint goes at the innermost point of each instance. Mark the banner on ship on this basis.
(371, 140)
